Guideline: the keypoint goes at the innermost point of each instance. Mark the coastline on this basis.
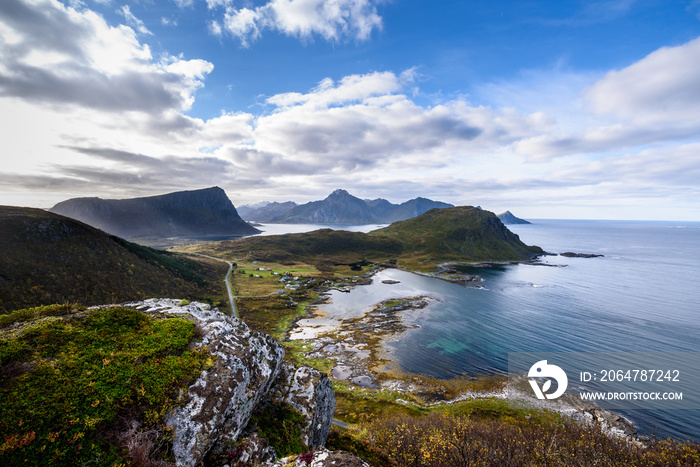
(364, 361)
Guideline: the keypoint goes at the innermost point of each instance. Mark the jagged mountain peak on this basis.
(339, 192)
(341, 207)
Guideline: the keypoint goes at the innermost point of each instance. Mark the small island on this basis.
(570, 254)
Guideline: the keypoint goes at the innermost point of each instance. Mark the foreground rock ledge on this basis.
(225, 396)
(248, 371)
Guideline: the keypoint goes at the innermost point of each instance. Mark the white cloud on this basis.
(653, 101)
(96, 66)
(366, 122)
(334, 20)
(168, 21)
(215, 29)
(94, 113)
(354, 88)
(244, 24)
(211, 4)
(133, 21)
(663, 86)
(62, 95)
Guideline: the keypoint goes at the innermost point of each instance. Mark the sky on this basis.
(549, 109)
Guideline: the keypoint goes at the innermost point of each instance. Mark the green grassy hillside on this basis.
(459, 234)
(462, 233)
(317, 247)
(46, 258)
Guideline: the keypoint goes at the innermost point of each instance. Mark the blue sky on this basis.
(550, 109)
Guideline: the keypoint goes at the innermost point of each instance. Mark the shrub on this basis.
(441, 440)
(281, 425)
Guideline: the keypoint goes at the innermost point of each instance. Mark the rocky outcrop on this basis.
(321, 458)
(311, 393)
(248, 372)
(225, 396)
(255, 450)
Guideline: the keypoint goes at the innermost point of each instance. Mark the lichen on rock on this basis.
(225, 396)
(321, 458)
(311, 393)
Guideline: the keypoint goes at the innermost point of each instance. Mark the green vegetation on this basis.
(462, 233)
(281, 425)
(91, 386)
(399, 428)
(323, 249)
(354, 405)
(46, 258)
(166, 259)
(80, 386)
(20, 316)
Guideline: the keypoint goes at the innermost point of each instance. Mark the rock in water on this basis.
(224, 397)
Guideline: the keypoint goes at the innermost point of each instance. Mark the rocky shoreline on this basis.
(446, 272)
(358, 346)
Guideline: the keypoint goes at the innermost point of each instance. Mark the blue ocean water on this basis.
(642, 296)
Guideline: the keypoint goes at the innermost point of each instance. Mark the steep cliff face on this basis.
(204, 212)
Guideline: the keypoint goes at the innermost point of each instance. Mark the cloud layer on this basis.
(653, 101)
(95, 113)
(95, 65)
(333, 20)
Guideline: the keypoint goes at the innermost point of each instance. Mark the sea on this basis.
(642, 295)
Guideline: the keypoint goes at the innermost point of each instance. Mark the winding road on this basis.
(231, 298)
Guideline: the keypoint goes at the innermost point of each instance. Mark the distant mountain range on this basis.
(265, 212)
(509, 219)
(340, 207)
(206, 212)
